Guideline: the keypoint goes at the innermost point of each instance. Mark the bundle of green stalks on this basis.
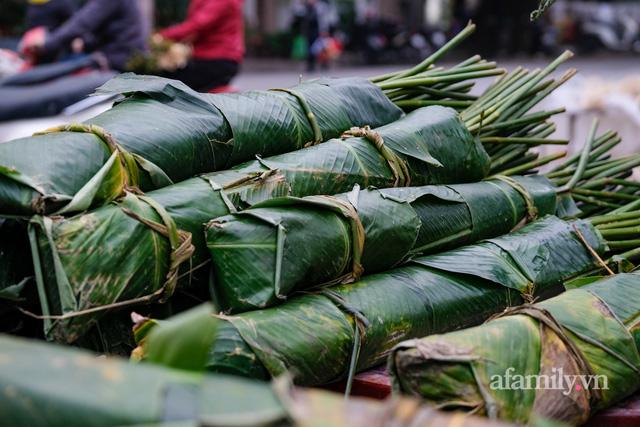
(503, 120)
(266, 253)
(427, 84)
(598, 183)
(501, 117)
(622, 232)
(609, 183)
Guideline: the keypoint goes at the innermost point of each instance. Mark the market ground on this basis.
(263, 74)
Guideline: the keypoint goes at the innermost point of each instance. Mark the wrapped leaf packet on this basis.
(134, 251)
(264, 254)
(562, 359)
(164, 132)
(102, 392)
(323, 336)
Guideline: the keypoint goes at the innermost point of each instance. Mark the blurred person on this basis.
(373, 36)
(110, 28)
(48, 13)
(314, 20)
(309, 26)
(215, 29)
(327, 49)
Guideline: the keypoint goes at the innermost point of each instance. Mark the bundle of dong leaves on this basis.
(110, 392)
(163, 132)
(134, 249)
(141, 249)
(341, 235)
(267, 252)
(325, 335)
(562, 359)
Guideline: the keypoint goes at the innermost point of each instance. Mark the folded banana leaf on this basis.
(75, 388)
(265, 253)
(322, 336)
(47, 385)
(562, 359)
(164, 132)
(131, 252)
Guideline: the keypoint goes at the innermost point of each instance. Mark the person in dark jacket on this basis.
(48, 13)
(215, 29)
(112, 27)
(311, 30)
(315, 20)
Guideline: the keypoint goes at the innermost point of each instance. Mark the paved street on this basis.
(258, 74)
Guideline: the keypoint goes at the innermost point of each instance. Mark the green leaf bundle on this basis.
(264, 254)
(164, 132)
(132, 252)
(48, 385)
(268, 252)
(322, 336)
(561, 359)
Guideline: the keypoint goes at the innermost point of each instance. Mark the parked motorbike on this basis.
(609, 30)
(382, 41)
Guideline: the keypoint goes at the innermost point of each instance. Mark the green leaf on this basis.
(68, 172)
(468, 369)
(183, 342)
(267, 252)
(313, 335)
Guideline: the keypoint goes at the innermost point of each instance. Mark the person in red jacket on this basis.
(215, 29)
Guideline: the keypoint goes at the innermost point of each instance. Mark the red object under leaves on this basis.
(376, 384)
